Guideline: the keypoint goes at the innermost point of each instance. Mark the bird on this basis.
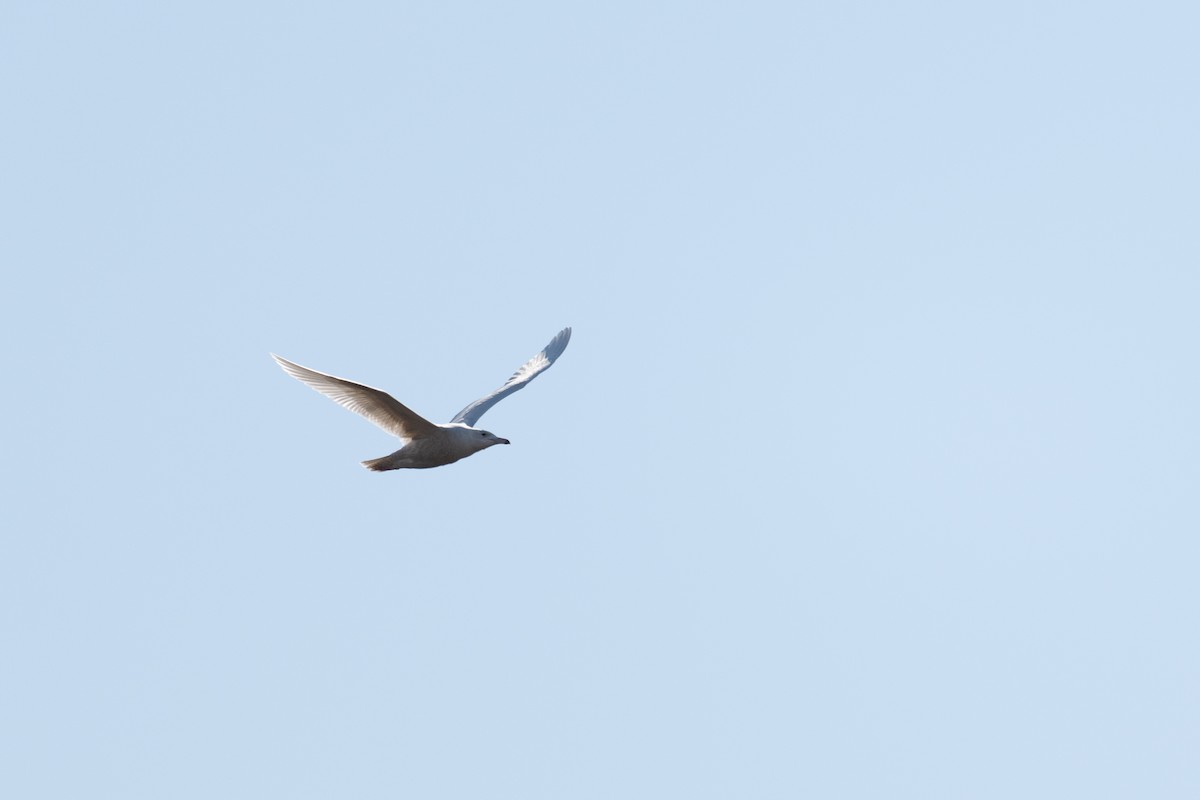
(427, 444)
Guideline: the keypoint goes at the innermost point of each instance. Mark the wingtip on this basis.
(559, 342)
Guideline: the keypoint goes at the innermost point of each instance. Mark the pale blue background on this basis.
(870, 471)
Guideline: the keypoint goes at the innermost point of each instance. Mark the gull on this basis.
(426, 444)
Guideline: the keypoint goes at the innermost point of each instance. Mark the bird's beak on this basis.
(505, 441)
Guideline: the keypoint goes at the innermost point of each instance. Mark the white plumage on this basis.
(426, 444)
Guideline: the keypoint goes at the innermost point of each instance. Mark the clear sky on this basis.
(870, 471)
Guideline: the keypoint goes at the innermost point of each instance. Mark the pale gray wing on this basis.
(528, 371)
(374, 404)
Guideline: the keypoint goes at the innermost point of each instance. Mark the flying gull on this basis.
(426, 444)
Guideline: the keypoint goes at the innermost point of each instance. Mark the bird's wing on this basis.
(374, 404)
(528, 371)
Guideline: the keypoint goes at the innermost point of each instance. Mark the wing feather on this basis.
(528, 371)
(374, 404)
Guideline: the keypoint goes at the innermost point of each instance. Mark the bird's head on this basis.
(490, 439)
(471, 440)
(478, 439)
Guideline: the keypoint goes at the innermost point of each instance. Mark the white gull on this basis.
(426, 444)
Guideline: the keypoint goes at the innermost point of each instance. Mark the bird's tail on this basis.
(385, 463)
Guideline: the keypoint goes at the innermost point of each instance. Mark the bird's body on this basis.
(449, 444)
(426, 444)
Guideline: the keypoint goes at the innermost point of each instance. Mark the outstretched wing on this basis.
(528, 371)
(374, 404)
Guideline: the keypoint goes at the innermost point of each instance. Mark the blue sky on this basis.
(870, 470)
